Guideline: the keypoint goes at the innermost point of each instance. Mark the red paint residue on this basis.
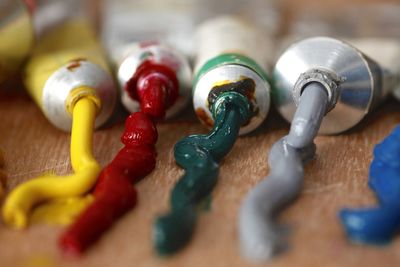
(145, 44)
(155, 86)
(75, 63)
(114, 194)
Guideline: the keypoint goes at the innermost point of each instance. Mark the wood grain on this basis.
(336, 178)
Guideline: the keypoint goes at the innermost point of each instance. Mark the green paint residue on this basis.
(205, 204)
(199, 156)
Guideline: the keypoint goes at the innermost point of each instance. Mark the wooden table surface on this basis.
(335, 179)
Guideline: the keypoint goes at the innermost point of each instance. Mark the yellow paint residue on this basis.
(39, 260)
(62, 211)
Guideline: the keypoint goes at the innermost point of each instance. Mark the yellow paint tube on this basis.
(68, 78)
(23, 22)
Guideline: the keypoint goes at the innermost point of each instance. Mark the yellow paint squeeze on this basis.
(20, 201)
(61, 211)
(50, 198)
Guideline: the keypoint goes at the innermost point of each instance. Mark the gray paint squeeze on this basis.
(260, 236)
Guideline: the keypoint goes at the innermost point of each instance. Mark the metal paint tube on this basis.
(199, 155)
(372, 29)
(231, 95)
(67, 58)
(132, 56)
(386, 52)
(23, 22)
(227, 54)
(333, 86)
(67, 77)
(361, 80)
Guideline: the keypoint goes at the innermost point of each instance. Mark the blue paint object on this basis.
(378, 225)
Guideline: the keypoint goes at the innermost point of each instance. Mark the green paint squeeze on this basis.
(199, 156)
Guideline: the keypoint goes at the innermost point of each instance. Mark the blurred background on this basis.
(174, 21)
(120, 22)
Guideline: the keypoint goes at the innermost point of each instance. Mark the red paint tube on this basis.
(155, 86)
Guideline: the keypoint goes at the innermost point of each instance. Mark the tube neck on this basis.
(155, 86)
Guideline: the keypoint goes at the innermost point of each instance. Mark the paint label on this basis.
(132, 21)
(230, 59)
(16, 35)
(70, 43)
(49, 14)
(153, 51)
(230, 34)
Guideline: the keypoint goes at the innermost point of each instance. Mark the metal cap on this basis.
(60, 84)
(356, 77)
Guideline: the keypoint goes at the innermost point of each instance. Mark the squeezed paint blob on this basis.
(199, 155)
(378, 225)
(260, 236)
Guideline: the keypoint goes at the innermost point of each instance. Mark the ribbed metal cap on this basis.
(358, 80)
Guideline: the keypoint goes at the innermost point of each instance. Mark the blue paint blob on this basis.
(372, 225)
(378, 225)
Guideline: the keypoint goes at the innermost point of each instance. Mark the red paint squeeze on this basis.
(156, 87)
(114, 194)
